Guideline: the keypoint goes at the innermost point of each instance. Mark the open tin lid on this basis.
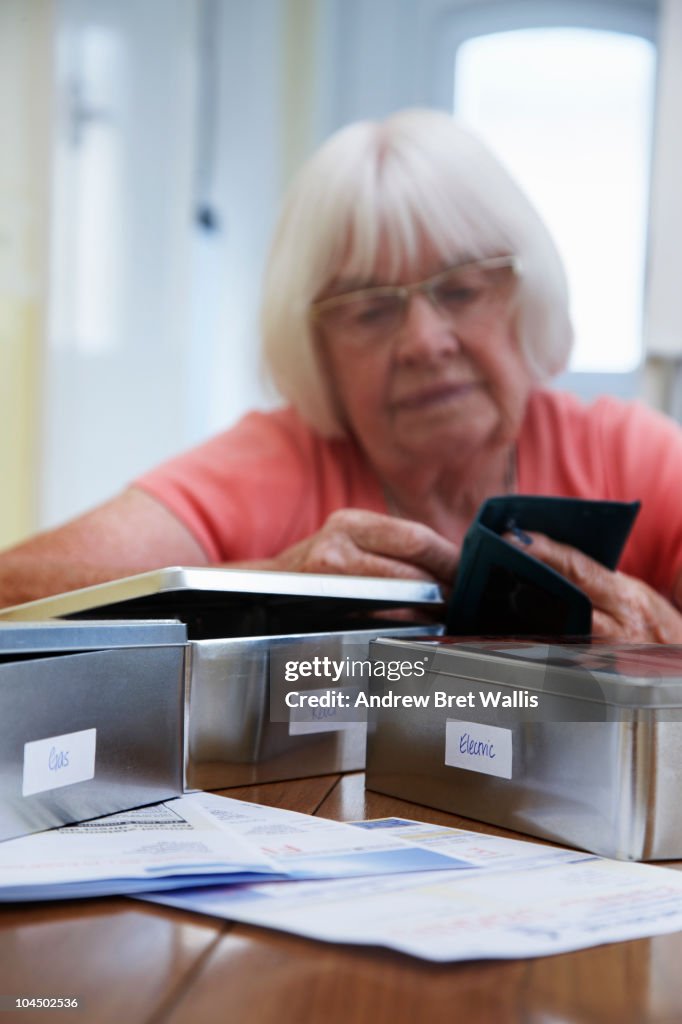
(239, 602)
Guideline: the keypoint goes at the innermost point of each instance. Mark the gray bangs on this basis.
(404, 209)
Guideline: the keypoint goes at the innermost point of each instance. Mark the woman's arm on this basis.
(134, 533)
(129, 534)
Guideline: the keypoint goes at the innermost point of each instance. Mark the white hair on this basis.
(416, 176)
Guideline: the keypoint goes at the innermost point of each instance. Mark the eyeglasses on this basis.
(464, 294)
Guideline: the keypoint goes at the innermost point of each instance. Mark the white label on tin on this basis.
(478, 748)
(59, 761)
(306, 719)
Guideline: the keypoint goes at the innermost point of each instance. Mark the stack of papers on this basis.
(437, 893)
(200, 839)
(504, 899)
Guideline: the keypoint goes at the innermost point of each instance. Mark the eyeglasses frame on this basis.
(406, 291)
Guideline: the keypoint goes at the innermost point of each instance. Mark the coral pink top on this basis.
(268, 482)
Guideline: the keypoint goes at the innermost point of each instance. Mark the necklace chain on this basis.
(510, 472)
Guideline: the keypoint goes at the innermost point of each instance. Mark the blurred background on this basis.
(145, 148)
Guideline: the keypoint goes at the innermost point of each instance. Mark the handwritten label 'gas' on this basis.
(59, 761)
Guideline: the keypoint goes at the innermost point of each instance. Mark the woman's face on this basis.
(447, 381)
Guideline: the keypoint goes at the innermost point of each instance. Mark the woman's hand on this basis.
(360, 543)
(625, 608)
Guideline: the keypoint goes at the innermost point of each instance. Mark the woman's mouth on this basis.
(434, 395)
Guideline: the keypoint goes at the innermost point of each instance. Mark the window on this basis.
(579, 143)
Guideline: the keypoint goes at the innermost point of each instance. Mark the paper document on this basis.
(198, 839)
(509, 902)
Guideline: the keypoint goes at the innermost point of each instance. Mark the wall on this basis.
(25, 62)
(664, 309)
(117, 358)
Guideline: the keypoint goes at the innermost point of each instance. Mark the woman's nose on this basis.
(426, 332)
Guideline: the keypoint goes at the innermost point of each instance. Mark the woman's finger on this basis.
(360, 543)
(399, 540)
(594, 579)
(624, 607)
(605, 626)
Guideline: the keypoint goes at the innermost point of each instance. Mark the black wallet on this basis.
(501, 589)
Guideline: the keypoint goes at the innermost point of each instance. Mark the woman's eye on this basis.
(456, 295)
(374, 313)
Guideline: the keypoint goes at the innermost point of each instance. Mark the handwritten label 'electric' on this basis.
(59, 761)
(478, 748)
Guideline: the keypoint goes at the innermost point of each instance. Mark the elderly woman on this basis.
(413, 306)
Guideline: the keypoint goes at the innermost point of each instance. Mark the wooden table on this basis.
(130, 962)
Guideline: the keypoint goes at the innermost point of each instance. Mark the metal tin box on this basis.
(240, 623)
(580, 744)
(90, 720)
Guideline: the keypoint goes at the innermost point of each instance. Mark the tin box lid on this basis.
(22, 638)
(626, 674)
(238, 597)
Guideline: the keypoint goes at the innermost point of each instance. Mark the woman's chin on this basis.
(442, 443)
(445, 431)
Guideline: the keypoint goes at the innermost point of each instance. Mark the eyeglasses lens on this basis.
(462, 295)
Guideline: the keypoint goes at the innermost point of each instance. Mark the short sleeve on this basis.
(262, 485)
(615, 450)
